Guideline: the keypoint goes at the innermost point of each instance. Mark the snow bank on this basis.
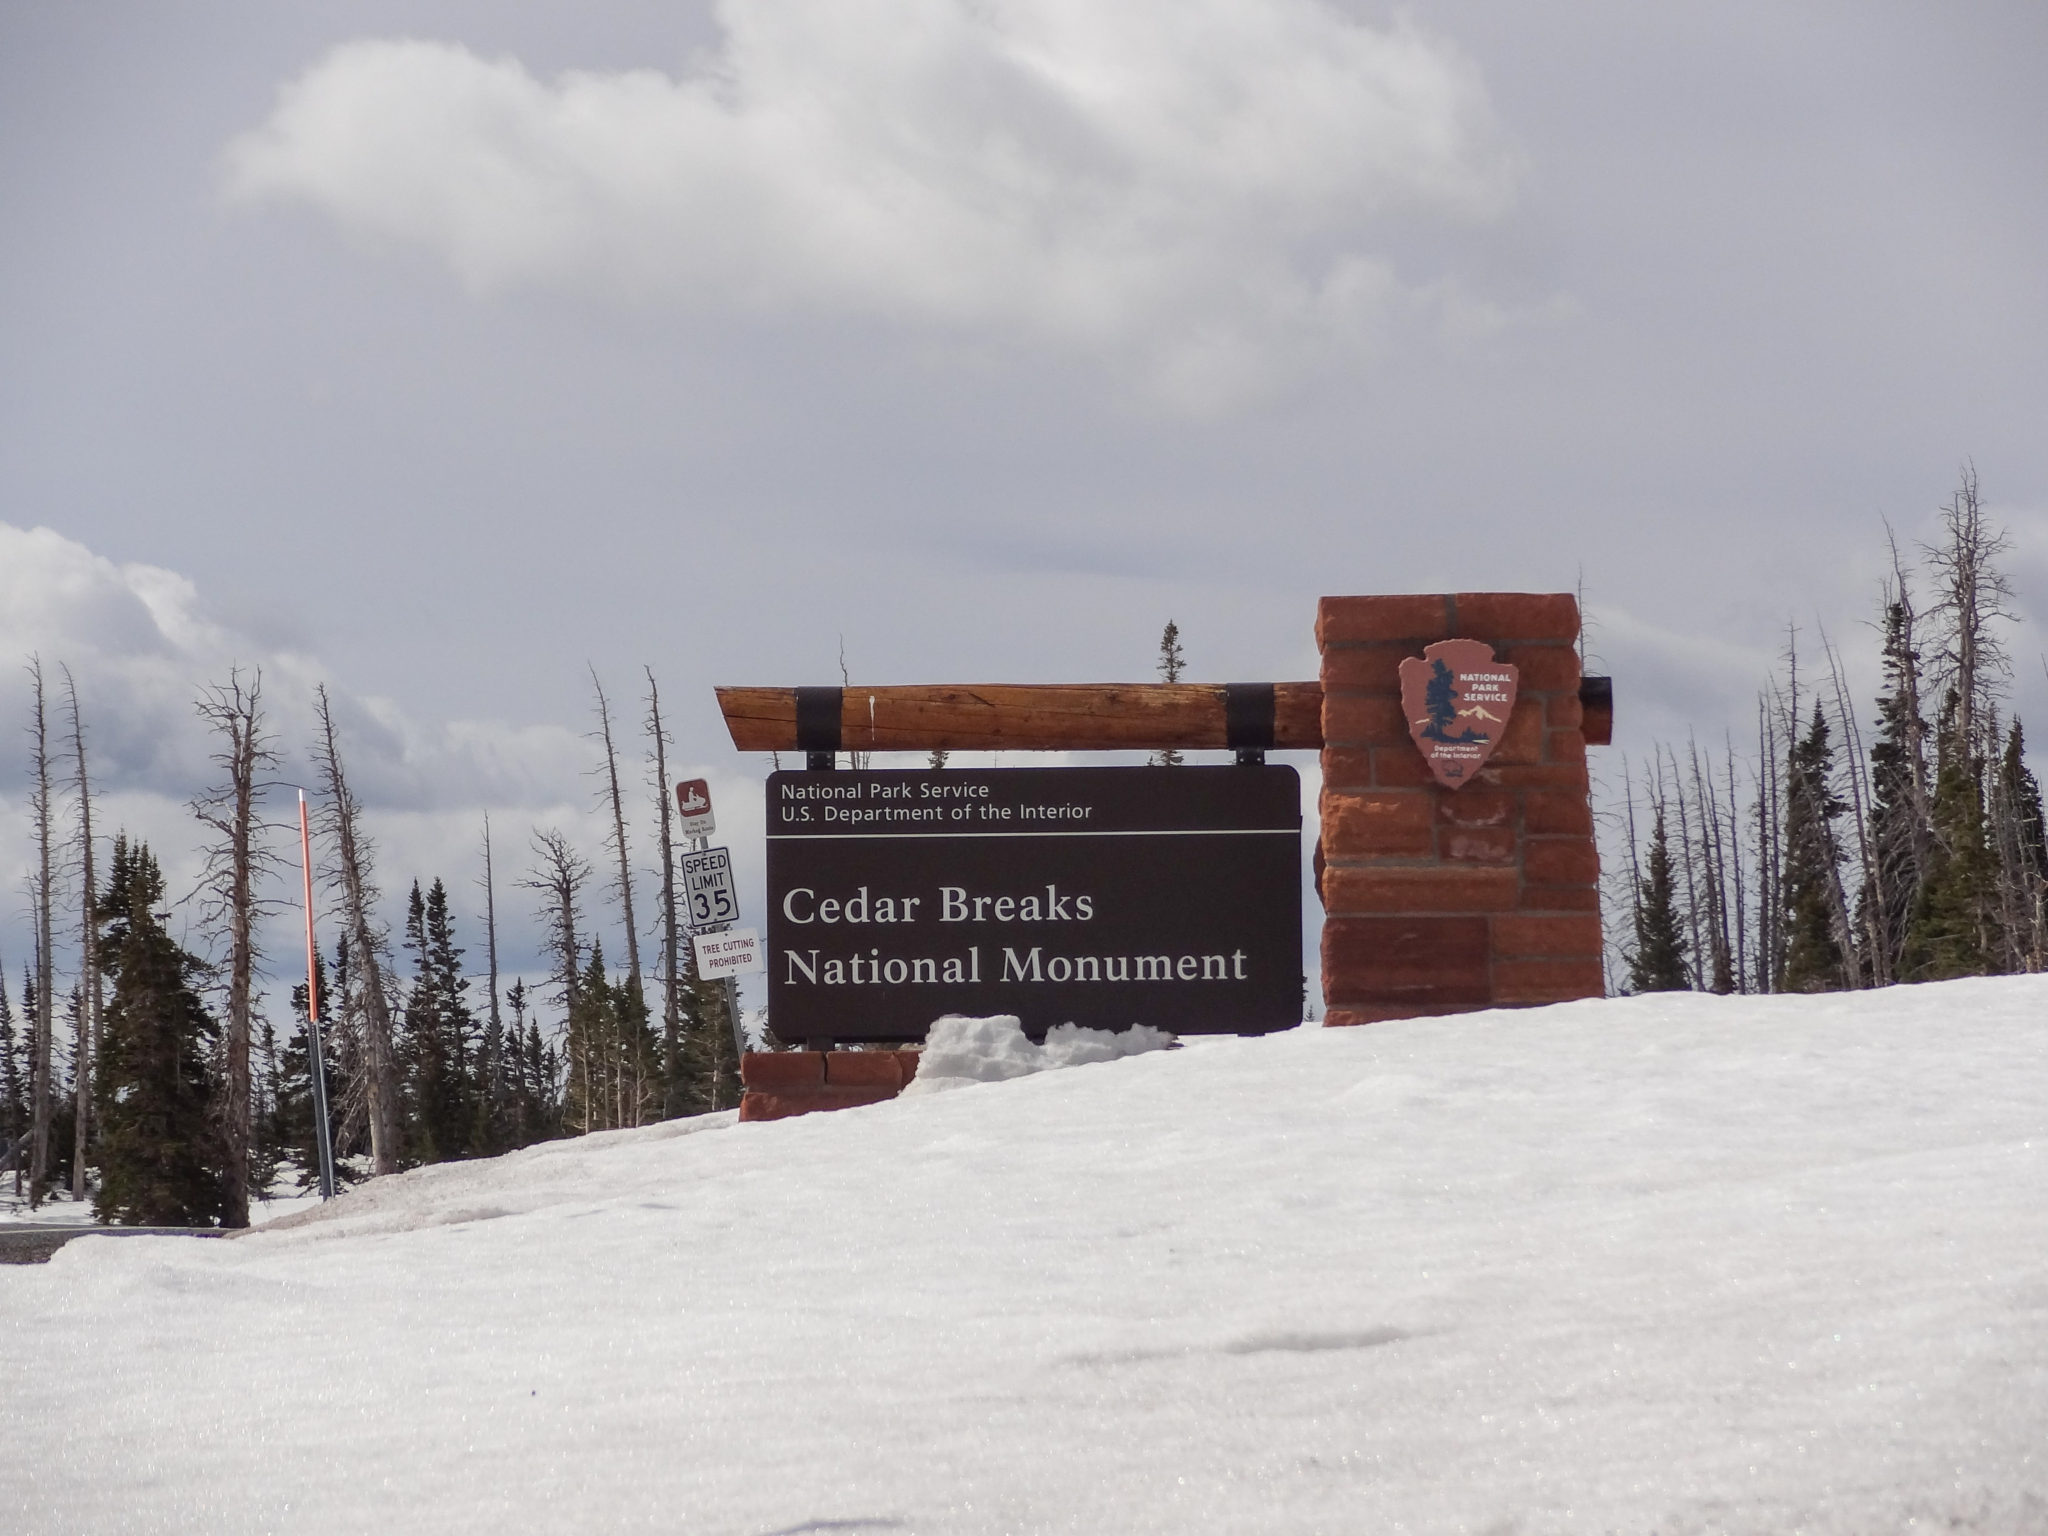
(1674, 1264)
(959, 1052)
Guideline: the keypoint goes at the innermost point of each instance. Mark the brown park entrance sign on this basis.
(1457, 700)
(1104, 897)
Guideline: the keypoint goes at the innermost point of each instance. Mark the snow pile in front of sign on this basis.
(1674, 1264)
(960, 1051)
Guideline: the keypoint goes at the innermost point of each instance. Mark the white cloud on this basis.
(1187, 188)
(141, 644)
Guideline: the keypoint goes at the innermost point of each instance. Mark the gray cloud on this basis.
(1186, 189)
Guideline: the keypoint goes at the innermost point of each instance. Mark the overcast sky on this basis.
(443, 352)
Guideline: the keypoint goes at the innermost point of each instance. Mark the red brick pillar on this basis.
(1439, 900)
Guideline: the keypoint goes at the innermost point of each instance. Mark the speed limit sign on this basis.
(708, 891)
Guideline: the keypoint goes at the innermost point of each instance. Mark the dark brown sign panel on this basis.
(1457, 699)
(1104, 897)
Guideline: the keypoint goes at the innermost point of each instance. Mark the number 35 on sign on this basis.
(708, 890)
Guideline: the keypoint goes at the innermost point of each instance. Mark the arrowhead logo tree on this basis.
(1457, 699)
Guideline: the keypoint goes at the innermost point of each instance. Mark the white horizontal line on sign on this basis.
(932, 837)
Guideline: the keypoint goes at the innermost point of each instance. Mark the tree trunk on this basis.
(233, 865)
(611, 768)
(671, 994)
(353, 854)
(87, 1046)
(40, 1095)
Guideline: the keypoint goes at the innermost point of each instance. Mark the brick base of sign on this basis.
(1446, 900)
(784, 1083)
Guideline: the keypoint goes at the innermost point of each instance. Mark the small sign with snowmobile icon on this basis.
(693, 797)
(1457, 699)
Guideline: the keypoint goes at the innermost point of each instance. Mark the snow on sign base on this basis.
(1675, 1264)
(735, 952)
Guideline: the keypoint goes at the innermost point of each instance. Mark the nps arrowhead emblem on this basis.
(1457, 699)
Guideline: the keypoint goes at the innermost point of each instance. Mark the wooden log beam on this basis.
(1063, 717)
(1055, 717)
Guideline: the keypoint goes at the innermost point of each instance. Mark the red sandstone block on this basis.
(1562, 776)
(1406, 943)
(1476, 845)
(1547, 981)
(1363, 719)
(1413, 617)
(1351, 1016)
(1552, 811)
(1560, 861)
(1564, 747)
(906, 1065)
(780, 1071)
(1366, 668)
(1401, 767)
(1350, 889)
(1522, 741)
(1347, 768)
(1471, 807)
(1377, 824)
(863, 1069)
(1563, 711)
(782, 1106)
(1517, 615)
(1434, 996)
(1559, 898)
(1548, 936)
(1411, 962)
(1552, 668)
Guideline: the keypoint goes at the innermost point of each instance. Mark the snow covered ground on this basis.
(1678, 1264)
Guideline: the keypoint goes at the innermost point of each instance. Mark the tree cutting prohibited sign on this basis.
(708, 891)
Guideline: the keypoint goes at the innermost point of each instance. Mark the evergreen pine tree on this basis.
(1171, 665)
(266, 1144)
(1658, 964)
(1955, 929)
(438, 1034)
(13, 1079)
(1814, 957)
(1899, 831)
(161, 1161)
(2021, 843)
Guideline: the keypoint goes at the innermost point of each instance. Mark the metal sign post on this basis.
(710, 897)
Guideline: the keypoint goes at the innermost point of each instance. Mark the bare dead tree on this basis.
(1735, 862)
(1972, 593)
(493, 1069)
(40, 816)
(341, 824)
(1717, 969)
(560, 876)
(236, 862)
(1770, 821)
(618, 834)
(1862, 949)
(671, 930)
(86, 1048)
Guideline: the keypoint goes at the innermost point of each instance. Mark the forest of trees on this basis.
(152, 1082)
(1809, 861)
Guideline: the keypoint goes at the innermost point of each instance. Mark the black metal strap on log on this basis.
(817, 726)
(1248, 721)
